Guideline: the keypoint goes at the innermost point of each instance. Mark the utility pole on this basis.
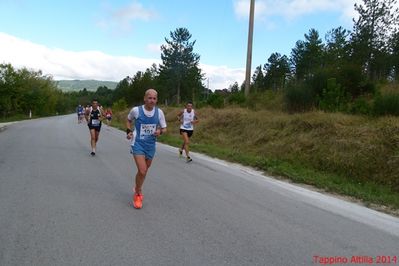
(249, 50)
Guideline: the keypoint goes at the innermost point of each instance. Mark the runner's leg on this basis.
(142, 168)
(93, 140)
(186, 142)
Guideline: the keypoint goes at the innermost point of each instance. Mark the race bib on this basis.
(95, 122)
(147, 130)
(187, 125)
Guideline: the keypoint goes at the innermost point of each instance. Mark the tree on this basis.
(23, 90)
(394, 45)
(376, 22)
(307, 56)
(258, 79)
(297, 60)
(104, 95)
(179, 72)
(234, 87)
(121, 89)
(276, 69)
(7, 89)
(336, 49)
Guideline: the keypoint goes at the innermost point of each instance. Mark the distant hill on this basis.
(90, 85)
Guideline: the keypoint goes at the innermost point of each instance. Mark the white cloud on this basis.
(221, 77)
(154, 48)
(62, 64)
(241, 8)
(122, 19)
(292, 9)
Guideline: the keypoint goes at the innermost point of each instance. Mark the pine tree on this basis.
(179, 71)
(371, 32)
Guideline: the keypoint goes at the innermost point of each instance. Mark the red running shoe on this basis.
(138, 201)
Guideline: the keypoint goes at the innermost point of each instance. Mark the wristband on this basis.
(128, 130)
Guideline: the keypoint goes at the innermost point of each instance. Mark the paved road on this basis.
(60, 206)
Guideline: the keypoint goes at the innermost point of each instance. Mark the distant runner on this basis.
(188, 119)
(80, 110)
(94, 117)
(149, 123)
(108, 116)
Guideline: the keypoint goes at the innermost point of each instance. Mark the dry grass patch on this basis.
(361, 148)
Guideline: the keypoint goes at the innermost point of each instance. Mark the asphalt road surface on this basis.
(60, 206)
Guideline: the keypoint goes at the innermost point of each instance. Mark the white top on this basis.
(187, 119)
(134, 114)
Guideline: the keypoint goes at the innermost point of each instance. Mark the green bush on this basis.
(361, 106)
(333, 98)
(216, 100)
(237, 98)
(119, 105)
(299, 99)
(387, 104)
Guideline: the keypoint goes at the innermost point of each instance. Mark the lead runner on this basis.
(149, 123)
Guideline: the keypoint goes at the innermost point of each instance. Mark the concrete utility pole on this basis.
(249, 50)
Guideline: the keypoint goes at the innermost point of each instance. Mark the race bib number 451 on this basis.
(147, 130)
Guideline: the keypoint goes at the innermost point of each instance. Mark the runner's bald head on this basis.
(150, 91)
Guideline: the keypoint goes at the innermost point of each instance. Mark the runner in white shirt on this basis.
(149, 123)
(188, 119)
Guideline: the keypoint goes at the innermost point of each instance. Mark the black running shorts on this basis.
(189, 132)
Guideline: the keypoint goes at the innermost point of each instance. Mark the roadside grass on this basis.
(352, 156)
(19, 117)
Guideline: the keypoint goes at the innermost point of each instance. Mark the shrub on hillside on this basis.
(299, 99)
(266, 100)
(361, 106)
(237, 98)
(216, 100)
(119, 105)
(387, 104)
(333, 98)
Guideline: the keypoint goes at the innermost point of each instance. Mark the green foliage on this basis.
(180, 78)
(276, 69)
(333, 97)
(258, 79)
(299, 99)
(361, 106)
(267, 100)
(119, 105)
(216, 100)
(387, 104)
(375, 25)
(307, 56)
(236, 98)
(23, 91)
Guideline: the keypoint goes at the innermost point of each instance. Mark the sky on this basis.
(112, 39)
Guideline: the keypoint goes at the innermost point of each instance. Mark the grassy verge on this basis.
(352, 156)
(371, 194)
(14, 118)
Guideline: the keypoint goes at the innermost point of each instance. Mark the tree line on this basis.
(341, 73)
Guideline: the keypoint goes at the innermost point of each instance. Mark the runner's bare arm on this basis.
(129, 133)
(159, 131)
(87, 112)
(179, 116)
(196, 119)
